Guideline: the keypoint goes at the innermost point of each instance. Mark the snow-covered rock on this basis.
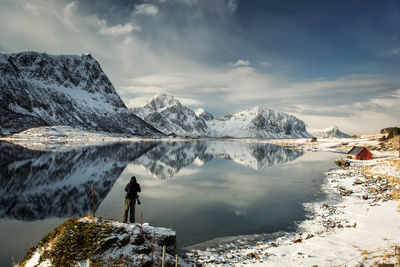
(331, 131)
(168, 115)
(38, 89)
(258, 122)
(97, 242)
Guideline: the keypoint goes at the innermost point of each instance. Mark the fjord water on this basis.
(204, 190)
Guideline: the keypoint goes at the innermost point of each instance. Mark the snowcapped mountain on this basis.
(38, 89)
(258, 122)
(331, 131)
(168, 115)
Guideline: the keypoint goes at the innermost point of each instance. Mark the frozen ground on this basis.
(358, 223)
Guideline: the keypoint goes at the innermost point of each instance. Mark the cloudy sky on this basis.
(327, 62)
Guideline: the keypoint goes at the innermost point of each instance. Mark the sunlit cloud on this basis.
(147, 9)
(394, 51)
(120, 29)
(241, 62)
(69, 13)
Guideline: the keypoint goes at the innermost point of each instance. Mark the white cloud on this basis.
(119, 29)
(232, 5)
(69, 13)
(394, 51)
(189, 101)
(147, 9)
(241, 62)
(264, 63)
(32, 8)
(94, 20)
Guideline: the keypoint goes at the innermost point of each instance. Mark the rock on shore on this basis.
(93, 241)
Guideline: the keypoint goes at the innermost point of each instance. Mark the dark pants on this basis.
(129, 205)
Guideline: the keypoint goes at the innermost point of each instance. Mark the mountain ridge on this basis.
(331, 131)
(167, 114)
(72, 90)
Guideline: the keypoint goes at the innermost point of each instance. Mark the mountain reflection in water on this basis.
(167, 159)
(41, 184)
(37, 185)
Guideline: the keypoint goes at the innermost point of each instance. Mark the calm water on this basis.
(203, 189)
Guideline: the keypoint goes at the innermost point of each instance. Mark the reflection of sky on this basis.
(224, 198)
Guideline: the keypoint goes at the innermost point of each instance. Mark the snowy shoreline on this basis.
(357, 223)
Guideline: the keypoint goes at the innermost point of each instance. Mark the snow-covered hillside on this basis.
(168, 115)
(258, 122)
(38, 89)
(332, 131)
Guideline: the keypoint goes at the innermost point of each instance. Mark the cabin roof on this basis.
(355, 150)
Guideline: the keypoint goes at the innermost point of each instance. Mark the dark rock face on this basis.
(36, 184)
(268, 123)
(391, 131)
(44, 90)
(206, 116)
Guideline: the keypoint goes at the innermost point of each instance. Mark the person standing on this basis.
(131, 189)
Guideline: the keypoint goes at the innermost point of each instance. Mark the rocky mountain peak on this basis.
(201, 113)
(70, 90)
(331, 131)
(166, 113)
(162, 101)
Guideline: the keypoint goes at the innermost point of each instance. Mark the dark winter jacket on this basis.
(131, 189)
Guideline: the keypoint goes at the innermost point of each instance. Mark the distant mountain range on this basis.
(168, 115)
(38, 89)
(332, 131)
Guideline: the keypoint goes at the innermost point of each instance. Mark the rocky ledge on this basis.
(92, 241)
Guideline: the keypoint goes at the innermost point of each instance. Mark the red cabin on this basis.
(360, 152)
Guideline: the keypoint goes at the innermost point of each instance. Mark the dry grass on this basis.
(386, 169)
(379, 255)
(393, 143)
(72, 241)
